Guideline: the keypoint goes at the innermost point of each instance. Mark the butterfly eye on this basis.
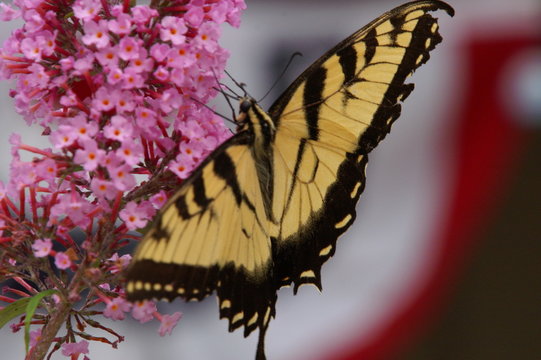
(245, 105)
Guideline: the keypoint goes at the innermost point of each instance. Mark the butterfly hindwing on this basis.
(196, 247)
(320, 205)
(331, 117)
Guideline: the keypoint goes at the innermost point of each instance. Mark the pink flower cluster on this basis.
(119, 90)
(114, 87)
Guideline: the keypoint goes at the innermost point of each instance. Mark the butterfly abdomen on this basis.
(263, 131)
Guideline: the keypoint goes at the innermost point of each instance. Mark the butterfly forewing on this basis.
(331, 117)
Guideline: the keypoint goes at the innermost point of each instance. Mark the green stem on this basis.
(57, 317)
(56, 320)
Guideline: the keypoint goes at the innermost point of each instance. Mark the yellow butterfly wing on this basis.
(212, 235)
(327, 122)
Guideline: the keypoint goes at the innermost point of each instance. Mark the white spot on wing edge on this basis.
(325, 251)
(226, 304)
(308, 274)
(237, 317)
(343, 222)
(253, 320)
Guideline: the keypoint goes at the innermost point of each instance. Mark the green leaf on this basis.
(13, 310)
(30, 310)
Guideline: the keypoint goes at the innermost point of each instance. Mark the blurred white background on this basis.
(382, 262)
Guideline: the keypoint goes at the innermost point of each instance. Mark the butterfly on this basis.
(265, 209)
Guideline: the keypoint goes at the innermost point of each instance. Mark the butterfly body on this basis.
(254, 120)
(265, 209)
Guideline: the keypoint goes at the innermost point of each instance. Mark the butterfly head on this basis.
(254, 119)
(246, 104)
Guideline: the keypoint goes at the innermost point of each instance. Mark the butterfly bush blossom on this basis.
(118, 89)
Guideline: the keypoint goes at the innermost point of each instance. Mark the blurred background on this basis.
(443, 260)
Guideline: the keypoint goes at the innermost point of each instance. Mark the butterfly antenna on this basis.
(296, 53)
(240, 85)
(233, 94)
(226, 96)
(214, 111)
